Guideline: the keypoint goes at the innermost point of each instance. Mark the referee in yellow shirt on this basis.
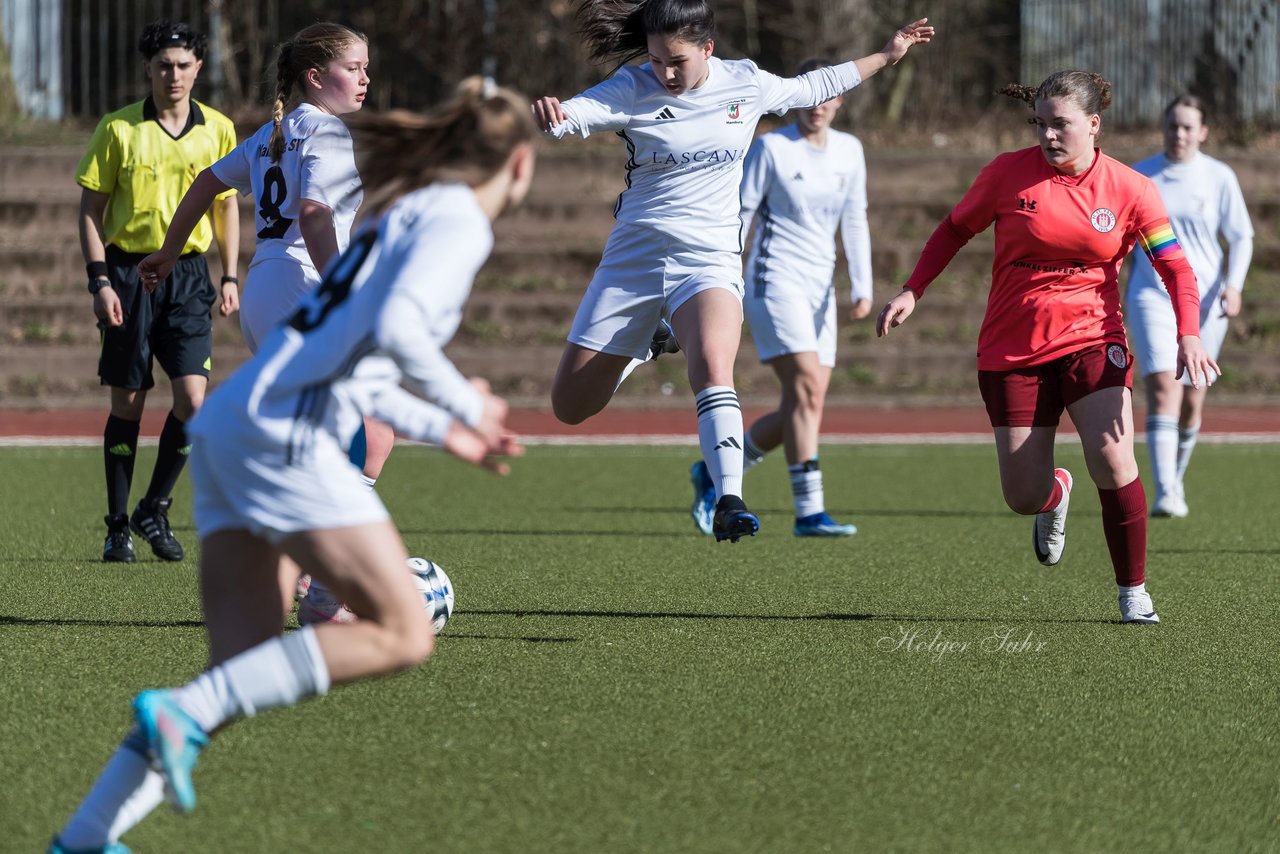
(139, 165)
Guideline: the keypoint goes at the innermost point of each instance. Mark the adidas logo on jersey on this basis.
(729, 443)
(799, 176)
(665, 114)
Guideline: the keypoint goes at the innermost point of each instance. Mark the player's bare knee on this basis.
(569, 408)
(1023, 501)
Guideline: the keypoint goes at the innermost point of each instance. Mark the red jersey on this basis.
(1059, 243)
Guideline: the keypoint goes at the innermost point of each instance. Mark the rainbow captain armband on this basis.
(1159, 242)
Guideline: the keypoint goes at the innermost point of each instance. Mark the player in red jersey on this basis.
(1066, 215)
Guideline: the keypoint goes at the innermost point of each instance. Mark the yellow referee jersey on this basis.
(146, 172)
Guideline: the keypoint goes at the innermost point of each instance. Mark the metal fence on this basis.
(1225, 51)
(79, 57)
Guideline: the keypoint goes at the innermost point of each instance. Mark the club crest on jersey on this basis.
(1117, 356)
(1103, 220)
(733, 111)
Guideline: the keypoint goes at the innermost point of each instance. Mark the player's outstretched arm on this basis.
(548, 113)
(917, 32)
(895, 312)
(156, 267)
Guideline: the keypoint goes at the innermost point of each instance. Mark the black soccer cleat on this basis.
(733, 520)
(663, 341)
(118, 547)
(151, 520)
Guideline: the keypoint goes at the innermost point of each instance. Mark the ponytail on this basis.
(467, 139)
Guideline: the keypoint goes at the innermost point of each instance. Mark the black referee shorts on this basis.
(172, 325)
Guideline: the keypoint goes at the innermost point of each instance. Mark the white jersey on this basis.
(379, 319)
(318, 164)
(1204, 201)
(800, 194)
(685, 152)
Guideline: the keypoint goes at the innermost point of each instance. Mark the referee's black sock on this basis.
(171, 457)
(119, 450)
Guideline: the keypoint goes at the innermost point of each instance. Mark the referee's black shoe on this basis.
(118, 547)
(151, 520)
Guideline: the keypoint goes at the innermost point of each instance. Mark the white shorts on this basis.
(1153, 332)
(273, 289)
(645, 276)
(789, 317)
(239, 490)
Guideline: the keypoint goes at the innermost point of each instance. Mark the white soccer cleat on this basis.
(1170, 505)
(1049, 533)
(1137, 608)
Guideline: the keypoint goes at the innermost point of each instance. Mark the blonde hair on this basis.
(466, 139)
(1090, 91)
(311, 47)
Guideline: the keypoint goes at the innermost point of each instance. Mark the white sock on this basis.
(1162, 446)
(806, 488)
(368, 481)
(1131, 591)
(752, 456)
(278, 672)
(720, 435)
(124, 794)
(1187, 437)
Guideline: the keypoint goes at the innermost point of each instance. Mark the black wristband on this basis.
(98, 270)
(230, 280)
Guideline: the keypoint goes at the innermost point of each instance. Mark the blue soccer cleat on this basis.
(174, 742)
(822, 525)
(703, 510)
(56, 847)
(733, 520)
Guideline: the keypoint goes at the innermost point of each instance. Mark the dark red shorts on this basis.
(1036, 397)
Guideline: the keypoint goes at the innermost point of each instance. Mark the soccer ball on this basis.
(436, 590)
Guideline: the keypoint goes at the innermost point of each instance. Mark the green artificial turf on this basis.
(612, 681)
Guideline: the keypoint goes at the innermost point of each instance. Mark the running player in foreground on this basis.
(269, 460)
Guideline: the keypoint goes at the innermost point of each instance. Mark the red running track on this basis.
(666, 421)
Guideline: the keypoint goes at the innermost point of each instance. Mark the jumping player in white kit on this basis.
(687, 119)
(801, 183)
(269, 460)
(1205, 205)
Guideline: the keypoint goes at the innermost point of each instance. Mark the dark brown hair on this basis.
(466, 139)
(311, 47)
(618, 30)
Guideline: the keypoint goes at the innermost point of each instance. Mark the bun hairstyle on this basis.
(467, 139)
(159, 35)
(618, 31)
(1090, 91)
(311, 47)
